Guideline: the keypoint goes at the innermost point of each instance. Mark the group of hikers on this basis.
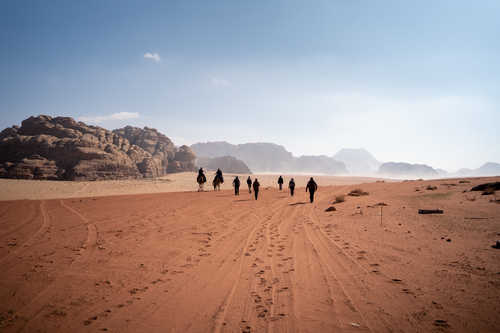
(311, 186)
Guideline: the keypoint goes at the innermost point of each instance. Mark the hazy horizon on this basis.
(412, 82)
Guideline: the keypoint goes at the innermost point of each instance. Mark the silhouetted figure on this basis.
(201, 179)
(280, 182)
(249, 183)
(218, 173)
(256, 185)
(291, 186)
(312, 187)
(236, 184)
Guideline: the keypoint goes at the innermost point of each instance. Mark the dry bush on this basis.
(357, 192)
(339, 199)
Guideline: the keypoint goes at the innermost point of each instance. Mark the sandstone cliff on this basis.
(62, 148)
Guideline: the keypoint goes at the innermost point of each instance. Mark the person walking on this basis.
(312, 187)
(291, 186)
(256, 185)
(249, 183)
(236, 184)
(280, 182)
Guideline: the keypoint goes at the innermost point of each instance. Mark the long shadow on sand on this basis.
(297, 203)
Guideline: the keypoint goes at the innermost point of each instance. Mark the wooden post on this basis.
(381, 207)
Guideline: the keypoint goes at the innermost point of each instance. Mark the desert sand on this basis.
(81, 258)
(17, 189)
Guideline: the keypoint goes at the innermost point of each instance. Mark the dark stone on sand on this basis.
(330, 209)
(430, 211)
(495, 186)
(496, 246)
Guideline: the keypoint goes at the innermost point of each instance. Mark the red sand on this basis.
(199, 262)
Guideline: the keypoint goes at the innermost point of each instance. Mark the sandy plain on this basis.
(88, 257)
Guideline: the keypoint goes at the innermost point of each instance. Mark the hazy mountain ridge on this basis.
(407, 170)
(487, 169)
(270, 157)
(228, 164)
(358, 161)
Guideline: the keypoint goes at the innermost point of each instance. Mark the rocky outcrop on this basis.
(228, 164)
(165, 157)
(62, 148)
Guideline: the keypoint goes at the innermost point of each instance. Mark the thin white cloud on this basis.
(219, 82)
(153, 56)
(114, 116)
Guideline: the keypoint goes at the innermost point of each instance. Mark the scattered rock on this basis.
(487, 187)
(496, 246)
(431, 188)
(441, 323)
(430, 211)
(330, 209)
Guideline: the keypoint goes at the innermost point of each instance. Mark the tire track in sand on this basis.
(43, 228)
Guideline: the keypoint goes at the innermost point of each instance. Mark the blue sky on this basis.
(415, 81)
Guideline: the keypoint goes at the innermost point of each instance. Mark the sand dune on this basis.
(213, 262)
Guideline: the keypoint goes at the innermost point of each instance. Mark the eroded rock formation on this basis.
(61, 148)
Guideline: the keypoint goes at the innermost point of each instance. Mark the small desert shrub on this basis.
(464, 182)
(357, 192)
(339, 198)
(431, 188)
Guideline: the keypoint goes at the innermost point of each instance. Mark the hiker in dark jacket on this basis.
(236, 184)
(312, 187)
(256, 185)
(280, 182)
(291, 186)
(249, 183)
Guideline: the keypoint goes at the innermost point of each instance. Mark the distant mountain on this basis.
(407, 170)
(487, 169)
(358, 161)
(227, 163)
(270, 157)
(319, 164)
(442, 172)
